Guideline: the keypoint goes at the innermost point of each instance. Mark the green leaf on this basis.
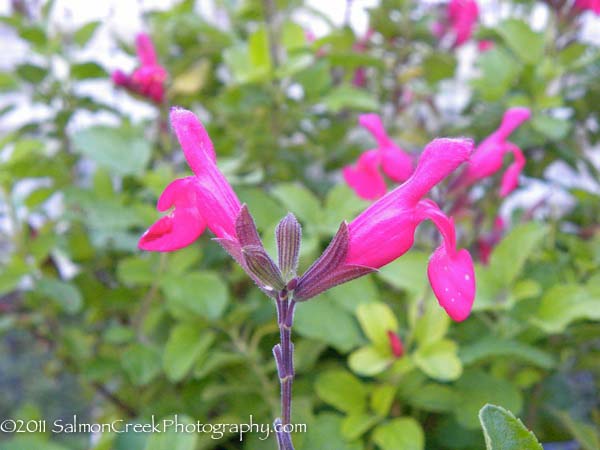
(197, 294)
(503, 431)
(141, 363)
(551, 127)
(433, 397)
(439, 66)
(355, 425)
(563, 304)
(408, 273)
(297, 198)
(84, 71)
(382, 398)
(325, 434)
(522, 40)
(323, 319)
(11, 274)
(66, 295)
(476, 388)
(376, 319)
(509, 256)
(32, 73)
(342, 390)
(136, 270)
(404, 433)
(439, 360)
(186, 343)
(36, 442)
(351, 295)
(499, 71)
(493, 347)
(85, 33)
(260, 53)
(174, 438)
(586, 435)
(346, 97)
(432, 325)
(124, 151)
(369, 361)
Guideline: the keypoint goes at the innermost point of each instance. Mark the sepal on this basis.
(259, 263)
(289, 237)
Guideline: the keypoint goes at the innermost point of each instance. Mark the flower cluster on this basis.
(148, 80)
(365, 177)
(379, 235)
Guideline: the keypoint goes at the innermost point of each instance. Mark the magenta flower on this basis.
(462, 15)
(148, 80)
(203, 200)
(365, 177)
(385, 230)
(591, 5)
(489, 155)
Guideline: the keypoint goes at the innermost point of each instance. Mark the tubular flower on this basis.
(591, 5)
(203, 200)
(148, 80)
(462, 15)
(365, 177)
(385, 230)
(488, 156)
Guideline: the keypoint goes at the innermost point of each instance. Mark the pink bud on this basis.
(485, 45)
(510, 180)
(395, 344)
(145, 50)
(462, 15)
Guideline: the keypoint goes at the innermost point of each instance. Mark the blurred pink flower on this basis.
(148, 80)
(591, 5)
(360, 74)
(462, 15)
(365, 177)
(202, 200)
(487, 242)
(385, 230)
(396, 345)
(489, 155)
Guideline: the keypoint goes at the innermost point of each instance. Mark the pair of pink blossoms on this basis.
(148, 80)
(379, 235)
(366, 179)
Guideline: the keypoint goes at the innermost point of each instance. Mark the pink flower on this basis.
(202, 200)
(360, 75)
(395, 344)
(365, 177)
(487, 242)
(591, 5)
(385, 230)
(485, 45)
(489, 155)
(148, 80)
(461, 17)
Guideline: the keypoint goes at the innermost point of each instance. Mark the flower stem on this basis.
(284, 358)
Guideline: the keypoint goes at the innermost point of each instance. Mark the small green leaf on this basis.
(355, 425)
(433, 397)
(439, 360)
(563, 304)
(382, 398)
(503, 431)
(85, 33)
(493, 347)
(197, 294)
(369, 361)
(522, 40)
(376, 319)
(65, 294)
(173, 438)
(83, 71)
(186, 343)
(404, 433)
(141, 363)
(346, 97)
(342, 390)
(297, 198)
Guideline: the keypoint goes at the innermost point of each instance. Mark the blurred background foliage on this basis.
(92, 326)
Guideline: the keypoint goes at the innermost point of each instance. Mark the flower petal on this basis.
(510, 179)
(396, 163)
(145, 50)
(365, 178)
(194, 140)
(372, 122)
(452, 278)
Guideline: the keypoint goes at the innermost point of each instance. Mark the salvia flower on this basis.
(385, 231)
(365, 176)
(148, 80)
(588, 5)
(488, 157)
(462, 15)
